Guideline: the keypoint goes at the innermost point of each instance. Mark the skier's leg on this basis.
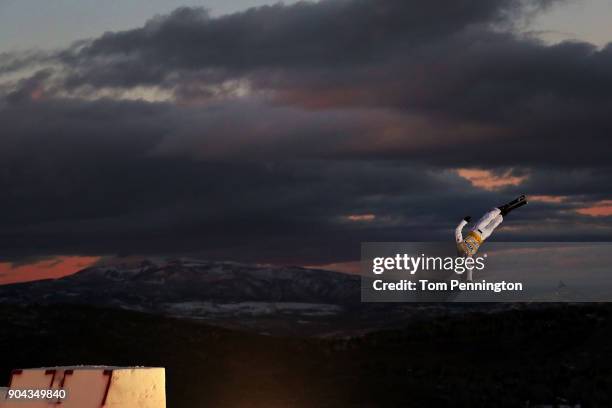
(514, 204)
(486, 220)
(488, 230)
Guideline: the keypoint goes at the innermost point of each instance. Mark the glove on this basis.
(468, 219)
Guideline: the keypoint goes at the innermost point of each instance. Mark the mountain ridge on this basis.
(229, 294)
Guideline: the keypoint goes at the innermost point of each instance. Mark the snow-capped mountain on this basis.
(223, 292)
(184, 280)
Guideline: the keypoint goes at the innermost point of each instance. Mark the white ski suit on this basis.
(478, 233)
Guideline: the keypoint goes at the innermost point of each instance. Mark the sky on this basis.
(290, 133)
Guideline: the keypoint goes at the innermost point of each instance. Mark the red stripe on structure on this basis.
(109, 373)
(67, 372)
(52, 377)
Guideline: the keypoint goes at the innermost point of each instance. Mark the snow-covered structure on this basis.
(87, 387)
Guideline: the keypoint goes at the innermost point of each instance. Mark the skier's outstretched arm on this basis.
(463, 223)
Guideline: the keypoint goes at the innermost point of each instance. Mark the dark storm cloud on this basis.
(301, 36)
(441, 62)
(293, 133)
(518, 98)
(261, 211)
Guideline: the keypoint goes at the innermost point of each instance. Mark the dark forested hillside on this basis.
(558, 355)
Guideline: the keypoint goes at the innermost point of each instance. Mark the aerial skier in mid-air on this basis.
(469, 245)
